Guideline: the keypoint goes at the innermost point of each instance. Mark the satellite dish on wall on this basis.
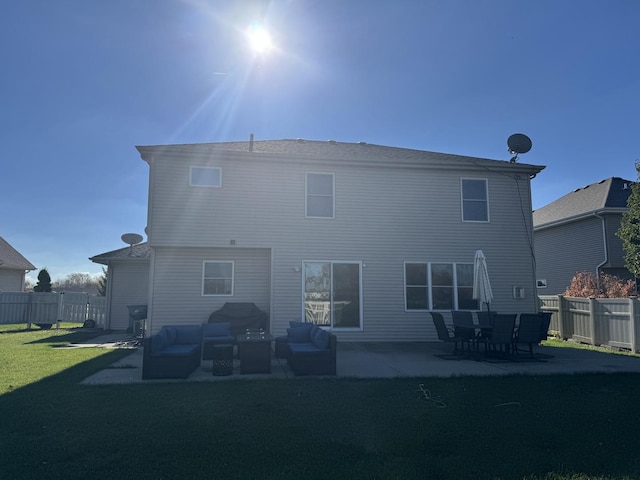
(518, 143)
(131, 238)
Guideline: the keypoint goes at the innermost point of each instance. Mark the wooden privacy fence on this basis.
(614, 322)
(50, 308)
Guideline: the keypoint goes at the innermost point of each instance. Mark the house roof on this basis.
(138, 252)
(11, 258)
(608, 195)
(330, 150)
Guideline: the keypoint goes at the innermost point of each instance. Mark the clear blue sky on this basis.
(84, 81)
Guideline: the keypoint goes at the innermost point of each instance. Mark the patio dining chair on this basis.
(447, 335)
(464, 327)
(501, 339)
(485, 318)
(528, 333)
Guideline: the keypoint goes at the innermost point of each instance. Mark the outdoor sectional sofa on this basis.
(309, 349)
(173, 352)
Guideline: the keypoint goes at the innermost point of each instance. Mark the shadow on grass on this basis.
(73, 335)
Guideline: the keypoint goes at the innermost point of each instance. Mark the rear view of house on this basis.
(577, 233)
(361, 239)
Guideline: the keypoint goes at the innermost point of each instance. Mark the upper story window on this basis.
(217, 278)
(475, 200)
(320, 199)
(205, 177)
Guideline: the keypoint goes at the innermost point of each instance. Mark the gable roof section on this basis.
(361, 153)
(608, 195)
(11, 258)
(139, 252)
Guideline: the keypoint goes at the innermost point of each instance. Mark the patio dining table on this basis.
(472, 332)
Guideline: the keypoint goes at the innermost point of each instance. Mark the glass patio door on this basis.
(332, 294)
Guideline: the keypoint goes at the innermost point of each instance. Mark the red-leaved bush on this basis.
(585, 284)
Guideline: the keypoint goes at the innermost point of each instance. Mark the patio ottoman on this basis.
(222, 360)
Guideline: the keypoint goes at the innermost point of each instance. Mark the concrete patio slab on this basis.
(378, 360)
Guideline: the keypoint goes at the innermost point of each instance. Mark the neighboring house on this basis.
(13, 268)
(577, 233)
(127, 282)
(361, 239)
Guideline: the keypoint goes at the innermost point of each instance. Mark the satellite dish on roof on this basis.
(131, 239)
(518, 143)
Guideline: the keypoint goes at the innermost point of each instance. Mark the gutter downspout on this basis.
(605, 245)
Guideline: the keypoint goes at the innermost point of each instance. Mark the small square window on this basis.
(217, 278)
(205, 177)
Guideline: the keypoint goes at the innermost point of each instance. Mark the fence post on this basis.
(60, 313)
(592, 319)
(632, 323)
(561, 313)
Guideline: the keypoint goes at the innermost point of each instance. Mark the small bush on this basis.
(586, 284)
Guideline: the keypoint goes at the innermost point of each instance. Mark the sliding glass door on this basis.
(332, 293)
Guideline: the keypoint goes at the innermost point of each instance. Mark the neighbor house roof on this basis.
(330, 150)
(608, 195)
(138, 252)
(11, 258)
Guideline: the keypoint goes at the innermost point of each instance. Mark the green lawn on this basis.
(550, 427)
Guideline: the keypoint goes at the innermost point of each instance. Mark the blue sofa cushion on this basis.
(159, 341)
(171, 334)
(222, 329)
(178, 350)
(321, 339)
(304, 348)
(221, 340)
(188, 334)
(298, 335)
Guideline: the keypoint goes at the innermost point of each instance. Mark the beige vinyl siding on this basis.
(614, 244)
(384, 216)
(11, 280)
(129, 285)
(177, 283)
(567, 249)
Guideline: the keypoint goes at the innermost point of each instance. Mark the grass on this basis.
(557, 342)
(578, 427)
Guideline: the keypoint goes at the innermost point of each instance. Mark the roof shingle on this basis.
(611, 193)
(11, 258)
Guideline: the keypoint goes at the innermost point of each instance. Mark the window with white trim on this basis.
(439, 286)
(205, 176)
(217, 278)
(320, 199)
(475, 199)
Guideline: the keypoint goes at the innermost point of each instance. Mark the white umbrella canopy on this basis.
(481, 284)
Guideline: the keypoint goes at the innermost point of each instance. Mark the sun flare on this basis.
(259, 38)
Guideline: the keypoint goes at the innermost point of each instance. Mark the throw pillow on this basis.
(159, 341)
(321, 340)
(297, 324)
(298, 335)
(171, 334)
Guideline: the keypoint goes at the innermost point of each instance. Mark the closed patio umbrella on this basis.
(481, 284)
